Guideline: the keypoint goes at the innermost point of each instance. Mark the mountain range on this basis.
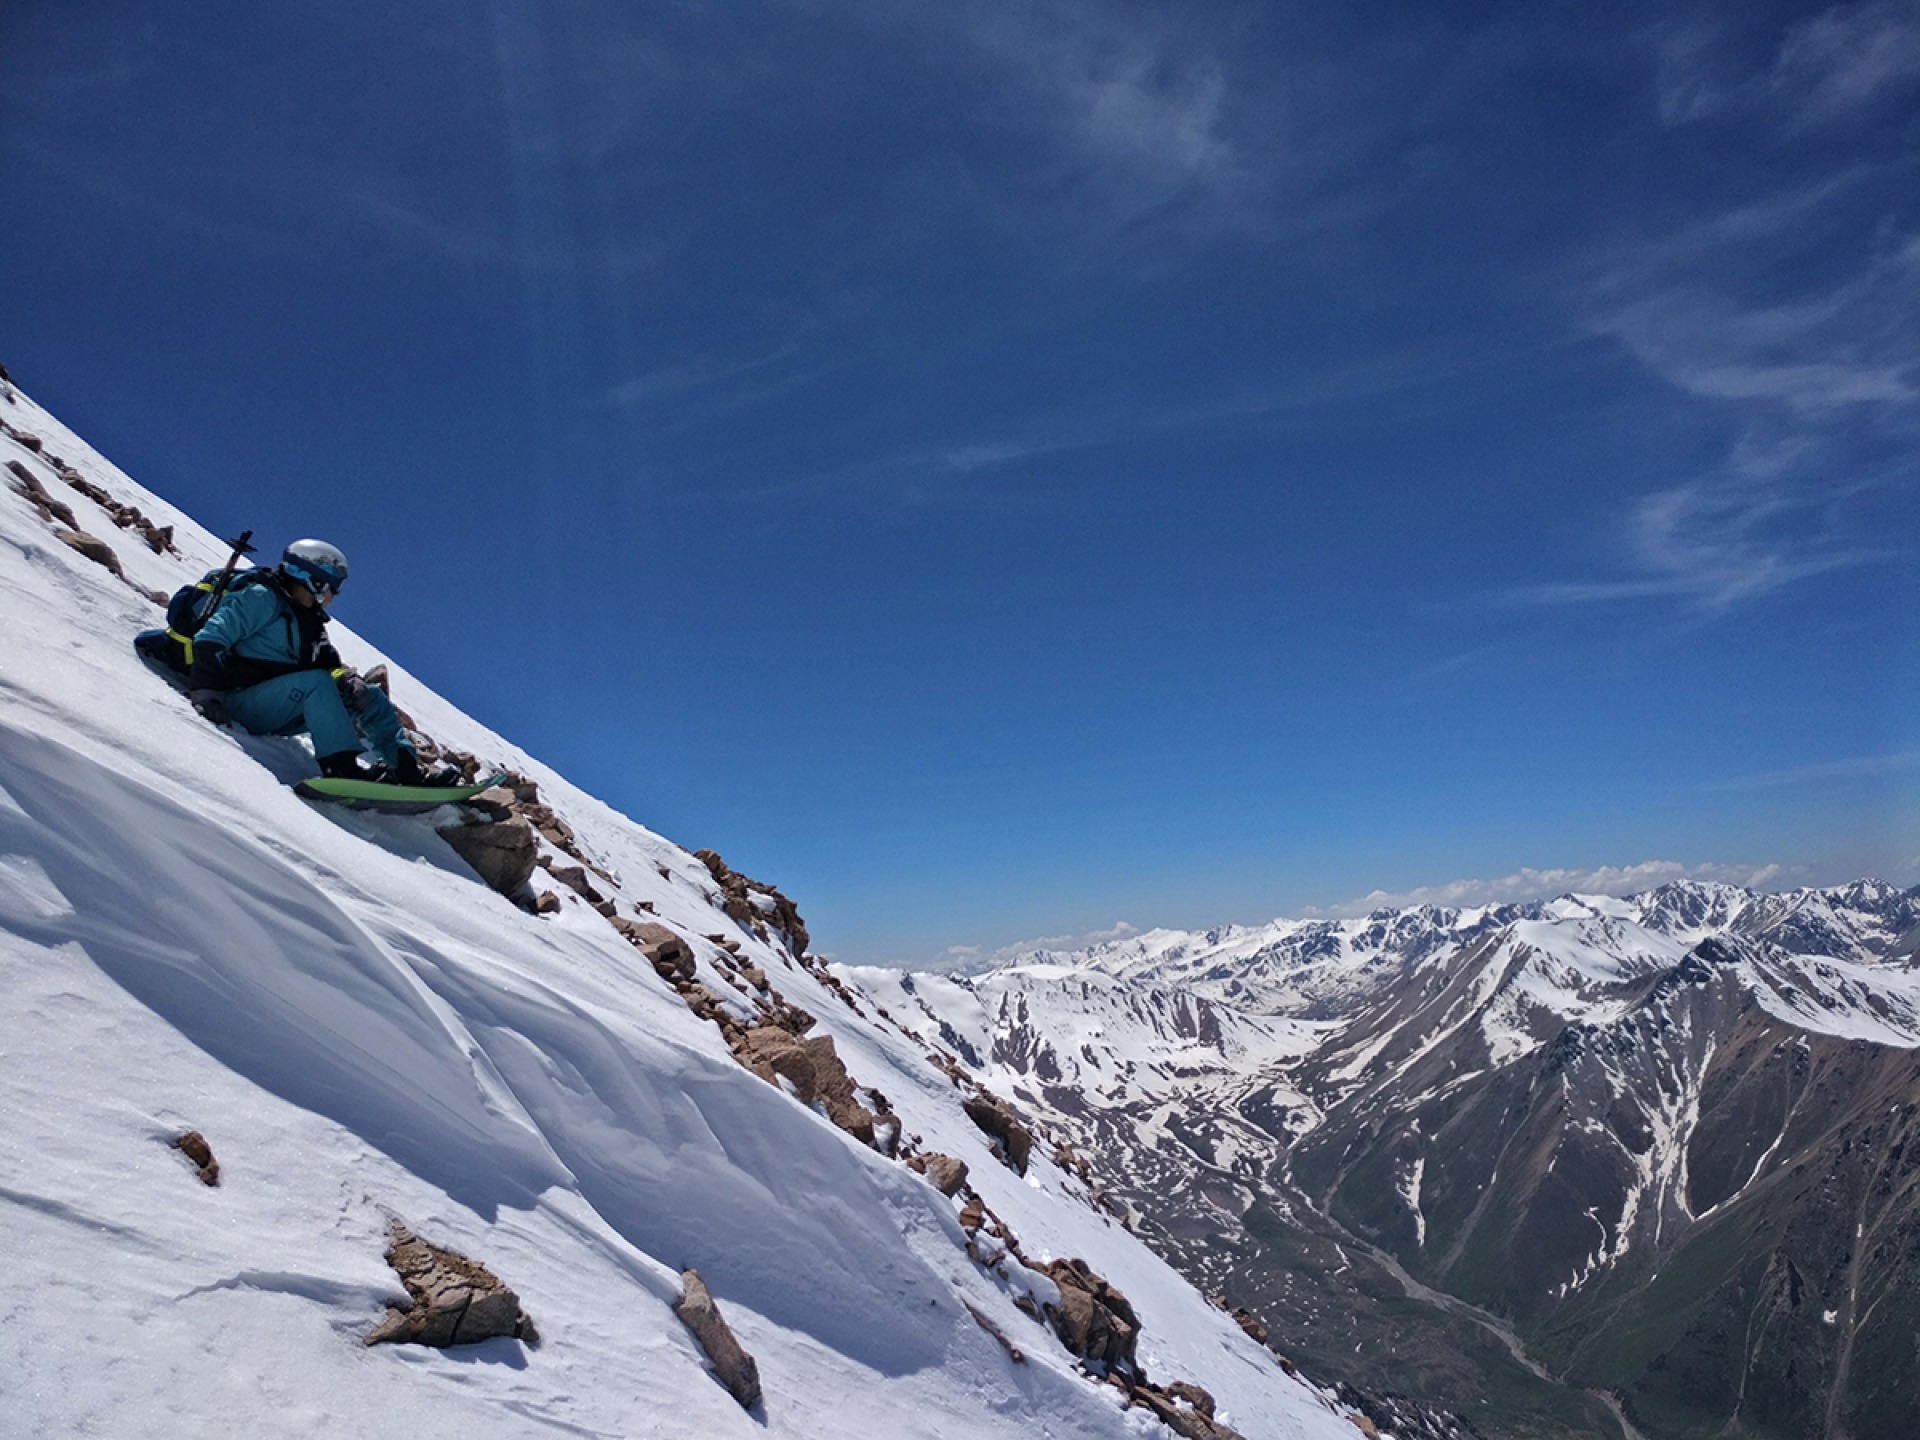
(1563, 1168)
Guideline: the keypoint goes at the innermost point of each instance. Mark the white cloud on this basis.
(1529, 884)
(1166, 125)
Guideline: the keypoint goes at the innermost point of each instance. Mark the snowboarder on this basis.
(263, 661)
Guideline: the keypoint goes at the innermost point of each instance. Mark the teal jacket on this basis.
(257, 633)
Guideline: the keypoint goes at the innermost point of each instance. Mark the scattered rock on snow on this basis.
(51, 510)
(996, 1118)
(455, 1300)
(945, 1173)
(1093, 1319)
(734, 1367)
(194, 1146)
(756, 906)
(91, 546)
(670, 954)
(985, 1322)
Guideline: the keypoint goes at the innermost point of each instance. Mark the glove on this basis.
(212, 705)
(353, 689)
(209, 667)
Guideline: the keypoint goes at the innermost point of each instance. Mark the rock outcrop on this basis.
(812, 1070)
(944, 1172)
(502, 852)
(1093, 1319)
(756, 906)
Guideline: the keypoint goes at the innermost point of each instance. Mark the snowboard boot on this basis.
(406, 770)
(342, 765)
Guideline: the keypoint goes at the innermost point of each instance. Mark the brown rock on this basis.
(91, 546)
(501, 852)
(732, 1365)
(1191, 1421)
(51, 510)
(454, 1300)
(836, 1089)
(946, 1174)
(575, 878)
(495, 804)
(1093, 1319)
(665, 948)
(1250, 1322)
(996, 1118)
(813, 1070)
(985, 1322)
(1194, 1395)
(194, 1146)
(773, 1054)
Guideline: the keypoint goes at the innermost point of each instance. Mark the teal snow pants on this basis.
(309, 701)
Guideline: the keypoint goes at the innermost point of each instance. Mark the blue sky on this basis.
(1003, 470)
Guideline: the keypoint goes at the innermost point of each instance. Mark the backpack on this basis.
(189, 609)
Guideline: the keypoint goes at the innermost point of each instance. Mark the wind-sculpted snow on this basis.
(255, 964)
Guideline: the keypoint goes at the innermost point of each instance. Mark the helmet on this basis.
(316, 565)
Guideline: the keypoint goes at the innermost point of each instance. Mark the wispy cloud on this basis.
(968, 959)
(1848, 343)
(1141, 105)
(1720, 542)
(1855, 767)
(1837, 66)
(1821, 377)
(1848, 58)
(1529, 884)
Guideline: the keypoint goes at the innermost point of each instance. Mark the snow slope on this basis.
(363, 1031)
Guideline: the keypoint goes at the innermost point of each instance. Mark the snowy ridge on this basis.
(363, 1031)
(1868, 931)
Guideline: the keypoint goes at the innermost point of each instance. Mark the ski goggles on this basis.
(324, 580)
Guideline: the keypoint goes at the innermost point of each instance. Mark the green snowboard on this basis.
(390, 799)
